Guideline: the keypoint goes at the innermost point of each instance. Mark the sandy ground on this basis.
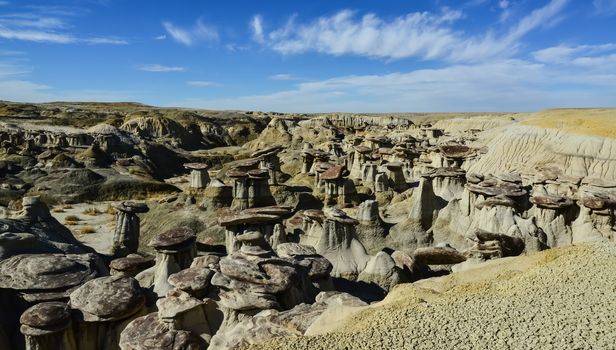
(103, 223)
(558, 299)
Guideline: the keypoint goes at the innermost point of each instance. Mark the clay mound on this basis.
(522, 148)
(511, 303)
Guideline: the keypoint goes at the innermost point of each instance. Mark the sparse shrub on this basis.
(67, 207)
(91, 211)
(71, 220)
(110, 210)
(58, 210)
(86, 229)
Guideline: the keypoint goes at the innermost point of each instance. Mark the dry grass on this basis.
(91, 211)
(58, 210)
(67, 207)
(584, 121)
(110, 210)
(71, 220)
(86, 230)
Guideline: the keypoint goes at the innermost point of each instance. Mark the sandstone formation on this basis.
(132, 227)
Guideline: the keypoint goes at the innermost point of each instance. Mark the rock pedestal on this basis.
(126, 233)
(339, 244)
(130, 266)
(104, 307)
(250, 189)
(199, 177)
(151, 333)
(47, 326)
(265, 220)
(394, 173)
(268, 159)
(338, 189)
(175, 251)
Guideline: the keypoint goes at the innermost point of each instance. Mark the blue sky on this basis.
(312, 56)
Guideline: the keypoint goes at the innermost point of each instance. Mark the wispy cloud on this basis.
(201, 83)
(581, 55)
(199, 32)
(499, 85)
(161, 37)
(282, 76)
(159, 68)
(256, 25)
(422, 35)
(45, 28)
(605, 7)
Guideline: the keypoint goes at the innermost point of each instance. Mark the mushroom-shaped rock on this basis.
(551, 202)
(108, 298)
(175, 251)
(184, 312)
(130, 265)
(104, 306)
(510, 246)
(499, 200)
(51, 315)
(173, 239)
(193, 280)
(437, 256)
(42, 277)
(46, 326)
(150, 333)
(339, 244)
(126, 233)
(199, 177)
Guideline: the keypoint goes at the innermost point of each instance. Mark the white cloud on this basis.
(159, 68)
(161, 37)
(36, 36)
(110, 41)
(202, 83)
(282, 76)
(199, 32)
(563, 54)
(35, 27)
(256, 24)
(420, 34)
(24, 91)
(605, 7)
(502, 85)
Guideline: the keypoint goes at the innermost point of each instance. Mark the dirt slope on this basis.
(558, 299)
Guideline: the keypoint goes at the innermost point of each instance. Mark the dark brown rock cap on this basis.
(132, 207)
(445, 172)
(456, 151)
(196, 166)
(131, 262)
(340, 216)
(108, 298)
(192, 280)
(438, 256)
(179, 238)
(258, 174)
(334, 173)
(551, 201)
(150, 333)
(262, 215)
(45, 318)
(496, 201)
(55, 273)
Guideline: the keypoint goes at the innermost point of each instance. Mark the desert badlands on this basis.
(126, 226)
